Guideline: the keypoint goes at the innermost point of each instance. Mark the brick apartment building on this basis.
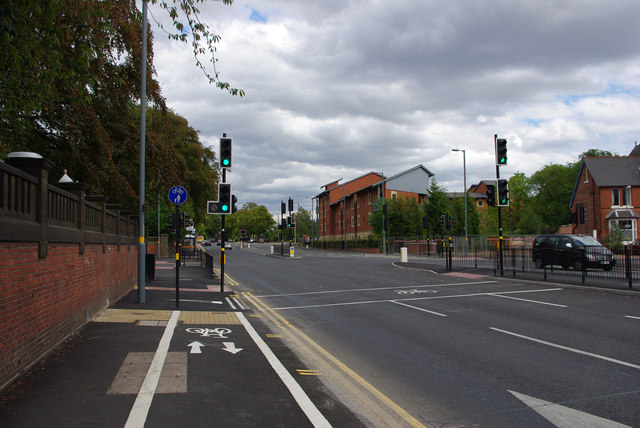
(604, 194)
(344, 210)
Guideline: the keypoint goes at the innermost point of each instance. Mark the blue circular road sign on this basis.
(178, 195)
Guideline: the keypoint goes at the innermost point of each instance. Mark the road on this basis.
(415, 348)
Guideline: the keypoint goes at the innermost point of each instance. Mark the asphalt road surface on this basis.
(416, 348)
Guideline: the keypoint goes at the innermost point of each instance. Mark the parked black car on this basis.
(577, 251)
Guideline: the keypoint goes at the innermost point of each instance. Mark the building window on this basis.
(369, 198)
(626, 197)
(627, 228)
(368, 218)
(481, 203)
(351, 221)
(358, 202)
(394, 195)
(615, 197)
(358, 219)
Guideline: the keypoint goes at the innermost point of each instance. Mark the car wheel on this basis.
(538, 262)
(578, 265)
(608, 268)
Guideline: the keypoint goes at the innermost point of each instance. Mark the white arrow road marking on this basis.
(231, 347)
(563, 417)
(195, 347)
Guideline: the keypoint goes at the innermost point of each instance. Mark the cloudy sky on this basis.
(338, 88)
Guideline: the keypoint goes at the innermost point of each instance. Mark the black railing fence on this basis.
(517, 257)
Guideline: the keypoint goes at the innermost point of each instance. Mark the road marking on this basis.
(334, 363)
(140, 409)
(195, 347)
(230, 303)
(566, 348)
(565, 417)
(375, 289)
(632, 317)
(305, 372)
(417, 308)
(303, 400)
(527, 300)
(409, 299)
(218, 332)
(230, 347)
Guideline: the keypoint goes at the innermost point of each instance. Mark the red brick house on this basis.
(604, 194)
(344, 210)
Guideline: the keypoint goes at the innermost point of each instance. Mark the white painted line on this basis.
(409, 299)
(417, 308)
(352, 290)
(565, 417)
(140, 409)
(230, 303)
(240, 304)
(632, 317)
(307, 406)
(527, 300)
(566, 348)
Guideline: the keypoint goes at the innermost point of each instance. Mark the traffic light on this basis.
(503, 193)
(223, 204)
(283, 207)
(288, 221)
(425, 222)
(442, 221)
(501, 151)
(185, 218)
(451, 223)
(225, 153)
(234, 199)
(292, 224)
(491, 195)
(290, 205)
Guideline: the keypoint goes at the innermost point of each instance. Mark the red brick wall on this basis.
(43, 301)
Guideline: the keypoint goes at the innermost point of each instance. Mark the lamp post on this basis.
(464, 168)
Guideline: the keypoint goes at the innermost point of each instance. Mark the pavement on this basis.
(208, 361)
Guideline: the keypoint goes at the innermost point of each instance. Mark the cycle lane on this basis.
(213, 373)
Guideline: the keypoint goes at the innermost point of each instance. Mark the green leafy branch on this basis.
(203, 39)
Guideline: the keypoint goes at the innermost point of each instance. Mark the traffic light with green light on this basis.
(503, 193)
(501, 151)
(225, 153)
(224, 203)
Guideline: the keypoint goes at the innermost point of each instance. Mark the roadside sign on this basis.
(178, 195)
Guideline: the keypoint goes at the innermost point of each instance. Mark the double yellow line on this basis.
(386, 409)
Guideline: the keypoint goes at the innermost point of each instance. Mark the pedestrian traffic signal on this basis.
(501, 151)
(491, 195)
(442, 221)
(503, 193)
(234, 200)
(225, 153)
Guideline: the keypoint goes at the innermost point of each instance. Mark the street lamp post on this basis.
(464, 168)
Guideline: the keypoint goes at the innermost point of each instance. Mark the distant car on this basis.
(206, 243)
(261, 240)
(226, 244)
(576, 251)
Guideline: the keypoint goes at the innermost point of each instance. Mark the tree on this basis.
(552, 188)
(437, 205)
(69, 81)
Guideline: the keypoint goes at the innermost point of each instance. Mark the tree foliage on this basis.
(69, 90)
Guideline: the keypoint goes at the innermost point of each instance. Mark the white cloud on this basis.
(338, 88)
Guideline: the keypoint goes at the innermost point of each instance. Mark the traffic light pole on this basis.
(222, 243)
(500, 254)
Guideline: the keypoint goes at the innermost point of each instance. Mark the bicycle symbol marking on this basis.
(414, 291)
(218, 333)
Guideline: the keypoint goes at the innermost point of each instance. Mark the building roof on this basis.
(614, 171)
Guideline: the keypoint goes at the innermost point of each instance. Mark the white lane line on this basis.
(230, 303)
(632, 317)
(566, 348)
(417, 308)
(352, 290)
(303, 400)
(527, 300)
(409, 299)
(140, 409)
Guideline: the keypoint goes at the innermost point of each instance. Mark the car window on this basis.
(553, 241)
(587, 240)
(565, 243)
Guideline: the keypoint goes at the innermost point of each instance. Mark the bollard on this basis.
(403, 255)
